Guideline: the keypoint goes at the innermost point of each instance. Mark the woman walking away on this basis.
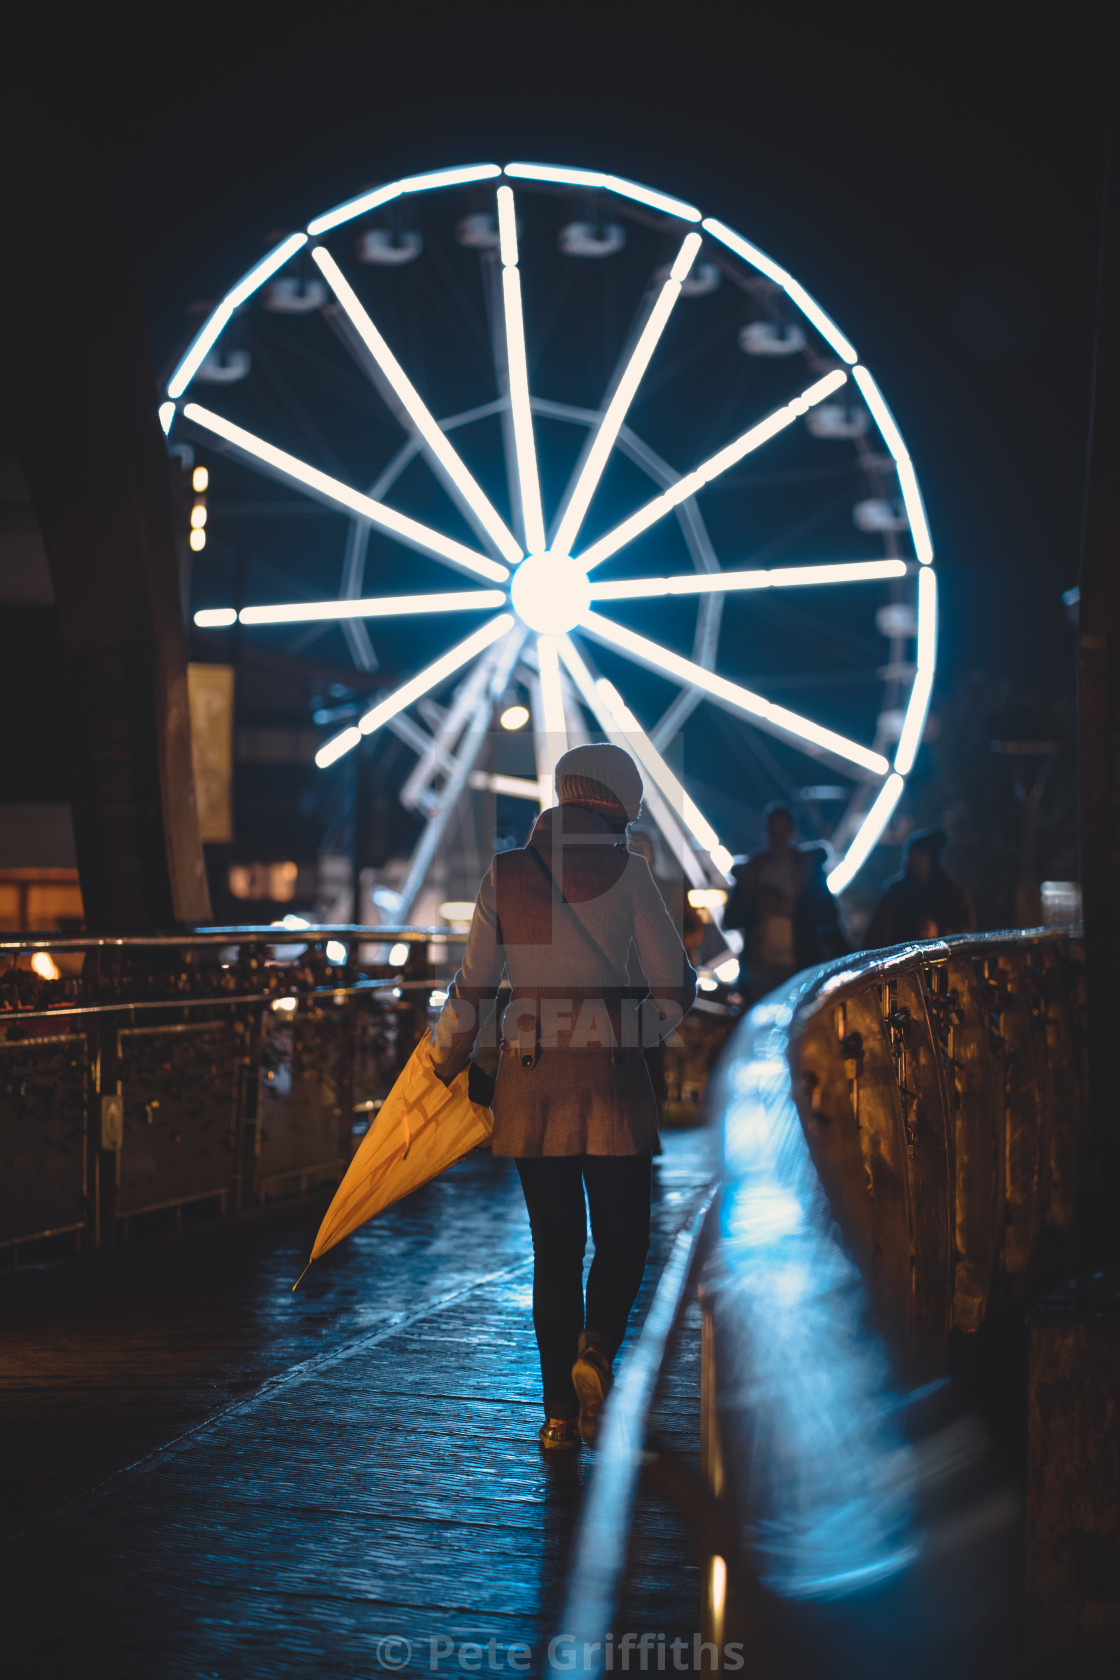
(573, 1103)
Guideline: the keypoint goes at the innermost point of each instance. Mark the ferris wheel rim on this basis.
(914, 717)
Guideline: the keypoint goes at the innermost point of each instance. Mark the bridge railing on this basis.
(148, 1080)
(896, 1139)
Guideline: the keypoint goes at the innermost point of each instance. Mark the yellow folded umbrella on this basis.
(423, 1127)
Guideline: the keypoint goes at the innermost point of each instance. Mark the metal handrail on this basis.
(816, 1469)
(254, 933)
(57, 1000)
(599, 1561)
(78, 1048)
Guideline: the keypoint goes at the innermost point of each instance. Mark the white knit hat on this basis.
(601, 776)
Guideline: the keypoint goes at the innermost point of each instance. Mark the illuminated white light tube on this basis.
(199, 349)
(437, 755)
(915, 510)
(743, 248)
(449, 177)
(518, 372)
(685, 258)
(694, 820)
(417, 410)
(354, 207)
(416, 686)
(882, 415)
(910, 737)
(215, 618)
(551, 690)
(653, 800)
(824, 324)
(551, 732)
(445, 666)
(557, 173)
(781, 577)
(907, 479)
(927, 620)
(796, 293)
(335, 748)
(513, 787)
(710, 469)
(383, 606)
(913, 723)
(619, 404)
(256, 277)
(507, 228)
(394, 189)
(211, 329)
(867, 835)
(166, 415)
(739, 699)
(593, 179)
(408, 530)
(655, 200)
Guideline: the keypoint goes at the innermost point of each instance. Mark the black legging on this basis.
(618, 1194)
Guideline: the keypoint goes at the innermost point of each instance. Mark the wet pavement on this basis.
(207, 1476)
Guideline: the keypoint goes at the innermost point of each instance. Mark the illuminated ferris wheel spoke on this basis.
(603, 439)
(508, 652)
(517, 372)
(373, 606)
(694, 819)
(550, 728)
(812, 737)
(712, 468)
(779, 577)
(335, 494)
(660, 808)
(415, 689)
(606, 698)
(433, 758)
(464, 487)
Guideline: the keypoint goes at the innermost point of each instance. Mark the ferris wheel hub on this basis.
(550, 593)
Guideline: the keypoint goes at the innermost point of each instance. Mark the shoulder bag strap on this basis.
(558, 898)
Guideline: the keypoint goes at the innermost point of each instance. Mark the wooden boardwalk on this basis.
(209, 1477)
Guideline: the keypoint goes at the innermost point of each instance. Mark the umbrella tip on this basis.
(301, 1277)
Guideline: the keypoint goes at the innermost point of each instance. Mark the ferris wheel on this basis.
(683, 514)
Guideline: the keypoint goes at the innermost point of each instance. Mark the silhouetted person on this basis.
(923, 902)
(817, 933)
(764, 902)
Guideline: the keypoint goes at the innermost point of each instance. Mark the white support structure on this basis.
(463, 708)
(473, 742)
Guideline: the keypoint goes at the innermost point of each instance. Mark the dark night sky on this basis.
(936, 182)
(934, 176)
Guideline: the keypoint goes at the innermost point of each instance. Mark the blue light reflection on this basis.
(828, 1479)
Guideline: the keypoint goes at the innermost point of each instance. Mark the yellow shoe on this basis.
(591, 1375)
(559, 1434)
